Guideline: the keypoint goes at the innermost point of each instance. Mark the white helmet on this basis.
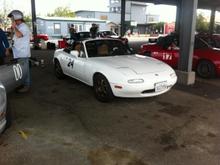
(16, 14)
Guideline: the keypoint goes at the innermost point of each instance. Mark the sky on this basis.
(167, 13)
(47, 6)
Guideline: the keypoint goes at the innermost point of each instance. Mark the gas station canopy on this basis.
(203, 4)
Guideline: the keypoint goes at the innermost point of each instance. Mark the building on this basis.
(112, 19)
(59, 26)
(135, 15)
(152, 19)
(136, 11)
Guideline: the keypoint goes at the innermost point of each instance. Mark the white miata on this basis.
(112, 69)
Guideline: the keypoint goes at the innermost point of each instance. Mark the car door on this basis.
(76, 66)
(70, 67)
(166, 55)
(167, 50)
(66, 61)
(79, 68)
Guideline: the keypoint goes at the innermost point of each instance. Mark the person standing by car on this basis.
(72, 32)
(21, 44)
(94, 30)
(4, 47)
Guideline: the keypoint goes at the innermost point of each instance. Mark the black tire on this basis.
(8, 116)
(58, 70)
(147, 54)
(102, 88)
(206, 69)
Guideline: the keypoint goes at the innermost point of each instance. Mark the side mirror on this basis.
(74, 53)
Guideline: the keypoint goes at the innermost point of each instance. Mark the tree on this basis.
(201, 24)
(5, 22)
(28, 20)
(62, 12)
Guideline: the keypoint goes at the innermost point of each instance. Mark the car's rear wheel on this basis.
(102, 88)
(8, 116)
(58, 70)
(206, 69)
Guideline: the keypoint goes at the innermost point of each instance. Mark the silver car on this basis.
(3, 108)
(11, 76)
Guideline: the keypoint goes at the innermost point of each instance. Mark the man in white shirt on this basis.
(21, 44)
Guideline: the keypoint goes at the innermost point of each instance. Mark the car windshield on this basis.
(200, 43)
(212, 40)
(106, 48)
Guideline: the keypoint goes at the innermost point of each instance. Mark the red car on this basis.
(40, 37)
(206, 59)
(213, 40)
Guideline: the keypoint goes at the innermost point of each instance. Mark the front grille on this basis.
(148, 91)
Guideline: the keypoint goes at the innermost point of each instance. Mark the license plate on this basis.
(160, 86)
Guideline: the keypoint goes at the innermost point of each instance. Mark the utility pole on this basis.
(123, 8)
(34, 23)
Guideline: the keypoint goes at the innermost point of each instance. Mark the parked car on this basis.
(107, 33)
(40, 37)
(83, 35)
(110, 34)
(68, 42)
(213, 40)
(112, 70)
(206, 59)
(11, 77)
(3, 108)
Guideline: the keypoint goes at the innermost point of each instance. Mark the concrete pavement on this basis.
(65, 124)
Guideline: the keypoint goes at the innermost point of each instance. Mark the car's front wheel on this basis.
(58, 70)
(102, 88)
(206, 69)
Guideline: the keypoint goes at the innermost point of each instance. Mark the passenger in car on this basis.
(77, 46)
(103, 50)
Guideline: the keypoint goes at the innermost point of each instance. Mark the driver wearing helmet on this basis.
(21, 44)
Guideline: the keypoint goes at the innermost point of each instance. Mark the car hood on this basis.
(137, 64)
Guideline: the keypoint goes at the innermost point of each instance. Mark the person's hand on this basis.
(13, 25)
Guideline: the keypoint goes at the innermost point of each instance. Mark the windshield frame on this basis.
(113, 44)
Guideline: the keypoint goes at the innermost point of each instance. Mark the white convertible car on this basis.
(112, 69)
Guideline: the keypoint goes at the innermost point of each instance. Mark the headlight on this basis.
(135, 81)
(173, 75)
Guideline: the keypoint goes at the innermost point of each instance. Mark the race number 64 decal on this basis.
(17, 72)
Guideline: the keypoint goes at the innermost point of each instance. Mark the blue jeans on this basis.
(27, 79)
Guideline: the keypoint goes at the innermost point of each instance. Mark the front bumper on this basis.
(146, 89)
(2, 125)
